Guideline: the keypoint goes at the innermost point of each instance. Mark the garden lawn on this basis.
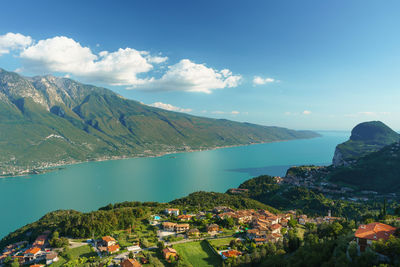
(82, 251)
(221, 241)
(198, 254)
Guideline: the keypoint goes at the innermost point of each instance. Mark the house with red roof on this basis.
(276, 228)
(113, 249)
(130, 263)
(31, 253)
(367, 233)
(231, 254)
(169, 252)
(108, 241)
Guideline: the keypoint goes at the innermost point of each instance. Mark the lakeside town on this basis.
(223, 233)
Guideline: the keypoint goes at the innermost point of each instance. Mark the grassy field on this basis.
(75, 253)
(198, 254)
(300, 231)
(221, 242)
(141, 232)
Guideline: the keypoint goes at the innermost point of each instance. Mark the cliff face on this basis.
(338, 158)
(366, 137)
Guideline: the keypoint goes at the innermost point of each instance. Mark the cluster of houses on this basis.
(265, 226)
(38, 251)
(303, 219)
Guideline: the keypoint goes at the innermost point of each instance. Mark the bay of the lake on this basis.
(88, 186)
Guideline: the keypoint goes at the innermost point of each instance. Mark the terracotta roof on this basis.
(253, 231)
(113, 248)
(173, 209)
(183, 216)
(231, 253)
(185, 225)
(170, 250)
(33, 250)
(375, 231)
(36, 265)
(131, 262)
(108, 238)
(276, 226)
(51, 256)
(260, 239)
(168, 224)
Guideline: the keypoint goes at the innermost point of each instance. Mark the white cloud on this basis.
(13, 41)
(170, 107)
(307, 112)
(124, 67)
(191, 77)
(257, 80)
(65, 55)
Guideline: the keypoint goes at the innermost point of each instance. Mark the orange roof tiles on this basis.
(168, 224)
(107, 238)
(231, 253)
(375, 231)
(113, 248)
(169, 250)
(276, 226)
(33, 250)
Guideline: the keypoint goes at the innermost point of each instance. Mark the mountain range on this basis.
(47, 121)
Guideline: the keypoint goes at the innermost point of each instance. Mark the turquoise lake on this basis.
(91, 185)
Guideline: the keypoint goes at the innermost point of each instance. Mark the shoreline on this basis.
(61, 166)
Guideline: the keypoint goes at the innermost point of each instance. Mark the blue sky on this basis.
(298, 64)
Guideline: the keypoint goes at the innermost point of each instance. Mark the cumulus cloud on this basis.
(170, 107)
(257, 80)
(191, 77)
(306, 112)
(65, 55)
(124, 67)
(13, 41)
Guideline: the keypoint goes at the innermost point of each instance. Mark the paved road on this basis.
(74, 244)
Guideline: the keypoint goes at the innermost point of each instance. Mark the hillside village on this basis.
(228, 234)
(315, 178)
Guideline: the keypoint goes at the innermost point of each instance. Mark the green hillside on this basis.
(47, 121)
(378, 171)
(365, 138)
(266, 190)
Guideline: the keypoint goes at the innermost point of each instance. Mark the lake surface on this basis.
(91, 185)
